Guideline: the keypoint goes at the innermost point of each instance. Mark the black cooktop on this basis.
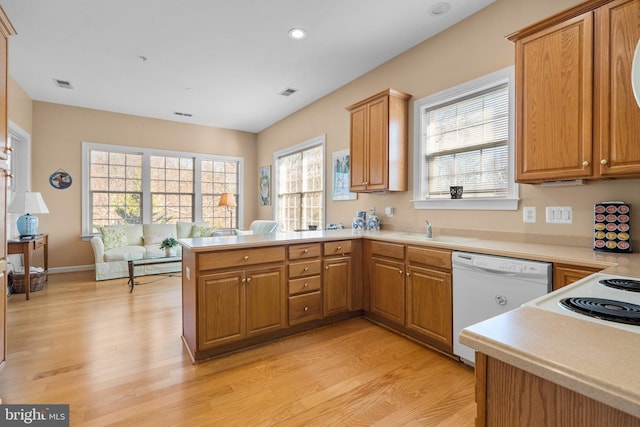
(622, 284)
(605, 309)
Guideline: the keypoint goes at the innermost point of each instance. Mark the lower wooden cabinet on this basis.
(564, 274)
(240, 304)
(387, 289)
(305, 307)
(429, 305)
(337, 285)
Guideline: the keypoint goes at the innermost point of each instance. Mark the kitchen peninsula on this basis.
(241, 291)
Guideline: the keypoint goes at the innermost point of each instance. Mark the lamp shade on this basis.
(28, 202)
(228, 200)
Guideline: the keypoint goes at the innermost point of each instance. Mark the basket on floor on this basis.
(16, 281)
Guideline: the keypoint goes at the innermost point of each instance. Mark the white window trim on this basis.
(318, 140)
(87, 147)
(505, 75)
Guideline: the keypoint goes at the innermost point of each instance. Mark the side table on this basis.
(25, 247)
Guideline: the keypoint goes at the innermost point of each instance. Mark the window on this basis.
(299, 174)
(128, 185)
(464, 137)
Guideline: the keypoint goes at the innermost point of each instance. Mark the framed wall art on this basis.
(264, 185)
(340, 167)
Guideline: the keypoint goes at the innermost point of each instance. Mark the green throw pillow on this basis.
(243, 232)
(114, 236)
(201, 231)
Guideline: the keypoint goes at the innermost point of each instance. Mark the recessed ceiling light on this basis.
(297, 33)
(439, 9)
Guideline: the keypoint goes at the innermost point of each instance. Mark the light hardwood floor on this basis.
(117, 359)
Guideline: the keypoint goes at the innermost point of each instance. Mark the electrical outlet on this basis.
(529, 214)
(559, 215)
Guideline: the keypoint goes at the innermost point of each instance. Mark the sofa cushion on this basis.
(201, 231)
(123, 253)
(114, 236)
(243, 232)
(155, 239)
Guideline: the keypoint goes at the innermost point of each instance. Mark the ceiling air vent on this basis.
(178, 113)
(288, 92)
(63, 84)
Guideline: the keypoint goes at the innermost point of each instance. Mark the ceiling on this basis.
(225, 62)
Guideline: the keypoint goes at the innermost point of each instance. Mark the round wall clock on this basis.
(60, 180)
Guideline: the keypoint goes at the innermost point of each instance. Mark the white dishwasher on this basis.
(485, 286)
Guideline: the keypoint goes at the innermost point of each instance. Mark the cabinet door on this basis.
(266, 299)
(564, 275)
(337, 286)
(617, 120)
(554, 75)
(357, 149)
(378, 145)
(221, 308)
(387, 289)
(429, 305)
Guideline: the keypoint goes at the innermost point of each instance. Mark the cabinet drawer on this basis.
(306, 268)
(337, 248)
(439, 258)
(303, 308)
(305, 284)
(240, 257)
(304, 251)
(389, 250)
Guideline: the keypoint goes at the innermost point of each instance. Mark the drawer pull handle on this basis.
(306, 251)
(306, 269)
(246, 257)
(339, 248)
(306, 285)
(306, 309)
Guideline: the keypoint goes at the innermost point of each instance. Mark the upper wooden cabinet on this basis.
(379, 142)
(576, 117)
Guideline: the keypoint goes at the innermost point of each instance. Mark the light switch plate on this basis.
(559, 215)
(529, 214)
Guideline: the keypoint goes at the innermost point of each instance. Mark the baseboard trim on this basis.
(71, 269)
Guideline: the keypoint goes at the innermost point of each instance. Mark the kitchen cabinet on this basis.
(240, 304)
(6, 30)
(387, 281)
(575, 113)
(564, 274)
(379, 142)
(337, 288)
(540, 402)
(429, 305)
(305, 296)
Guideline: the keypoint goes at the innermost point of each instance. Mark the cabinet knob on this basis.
(408, 274)
(585, 163)
(246, 257)
(306, 269)
(8, 149)
(8, 175)
(306, 309)
(400, 271)
(306, 251)
(244, 280)
(248, 279)
(339, 248)
(603, 161)
(326, 267)
(306, 285)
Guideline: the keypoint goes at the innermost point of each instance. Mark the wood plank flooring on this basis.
(117, 359)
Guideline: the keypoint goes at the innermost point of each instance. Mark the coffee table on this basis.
(133, 263)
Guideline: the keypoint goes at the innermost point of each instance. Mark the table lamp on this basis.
(27, 203)
(227, 200)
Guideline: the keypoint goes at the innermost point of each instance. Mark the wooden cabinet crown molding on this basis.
(563, 16)
(389, 92)
(6, 27)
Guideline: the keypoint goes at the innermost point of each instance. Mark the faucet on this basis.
(429, 232)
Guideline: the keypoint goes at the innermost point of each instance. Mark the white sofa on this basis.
(119, 243)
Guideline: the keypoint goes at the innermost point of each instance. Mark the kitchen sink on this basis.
(443, 239)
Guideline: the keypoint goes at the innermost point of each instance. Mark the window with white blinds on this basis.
(464, 137)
